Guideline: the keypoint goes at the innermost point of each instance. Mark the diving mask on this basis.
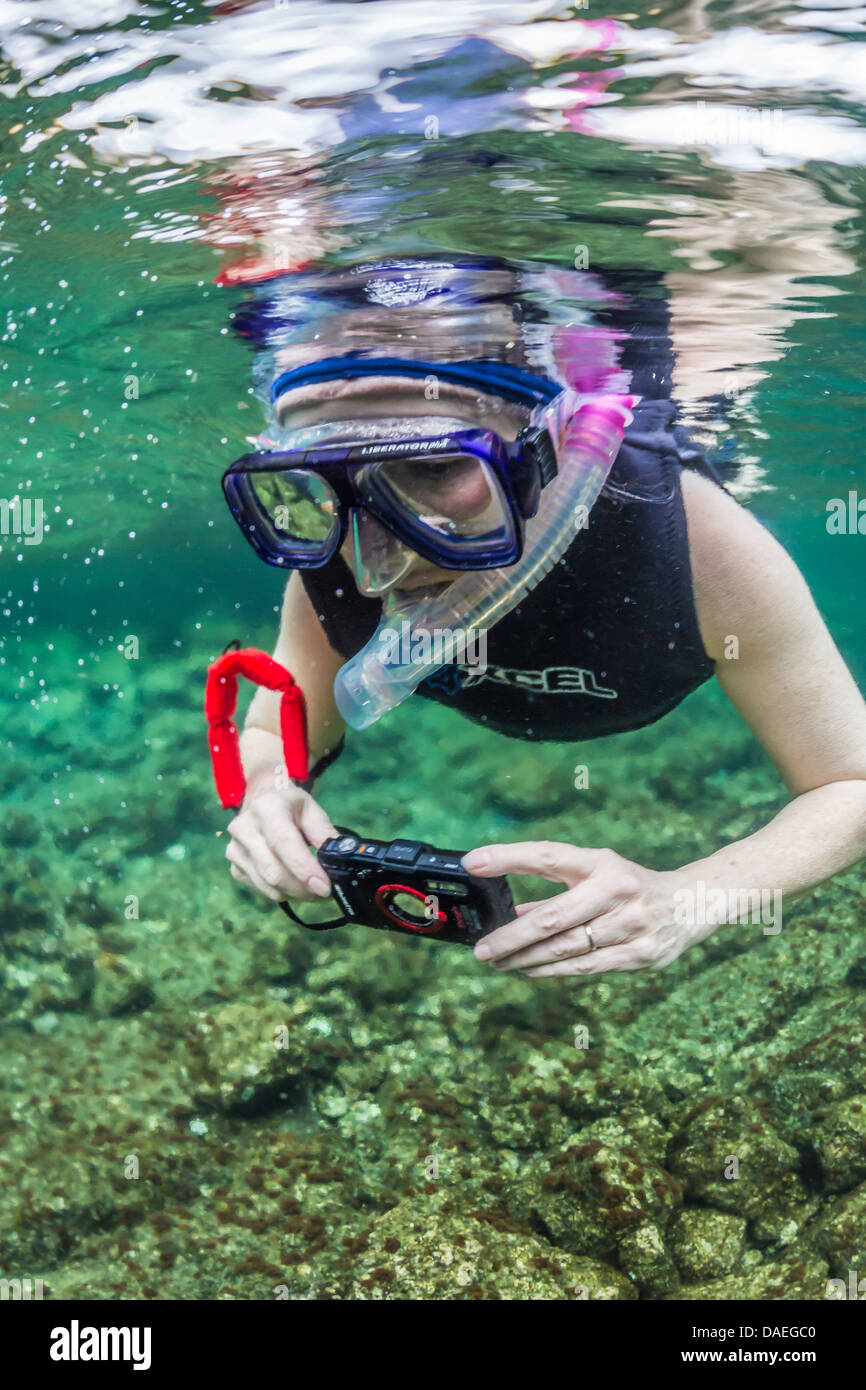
(459, 499)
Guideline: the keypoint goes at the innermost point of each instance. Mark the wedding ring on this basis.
(590, 939)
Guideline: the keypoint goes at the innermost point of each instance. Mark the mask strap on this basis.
(498, 378)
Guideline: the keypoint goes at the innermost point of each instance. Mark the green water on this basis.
(421, 1098)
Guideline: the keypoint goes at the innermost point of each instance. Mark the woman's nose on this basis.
(379, 560)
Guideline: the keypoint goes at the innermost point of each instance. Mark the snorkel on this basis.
(588, 431)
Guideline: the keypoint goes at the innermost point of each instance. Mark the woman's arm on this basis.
(780, 668)
(792, 687)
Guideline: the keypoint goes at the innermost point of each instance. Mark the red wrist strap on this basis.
(220, 702)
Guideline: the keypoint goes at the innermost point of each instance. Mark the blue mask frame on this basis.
(521, 468)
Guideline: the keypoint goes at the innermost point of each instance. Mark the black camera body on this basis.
(411, 887)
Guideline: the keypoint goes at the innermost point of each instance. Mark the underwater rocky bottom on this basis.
(202, 1101)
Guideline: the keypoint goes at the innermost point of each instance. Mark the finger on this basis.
(546, 919)
(266, 871)
(316, 823)
(566, 944)
(244, 871)
(621, 958)
(551, 859)
(246, 833)
(300, 865)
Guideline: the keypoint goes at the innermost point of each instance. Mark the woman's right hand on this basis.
(271, 835)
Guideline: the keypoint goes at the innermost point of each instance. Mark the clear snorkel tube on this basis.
(588, 431)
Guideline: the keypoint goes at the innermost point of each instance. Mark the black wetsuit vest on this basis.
(609, 640)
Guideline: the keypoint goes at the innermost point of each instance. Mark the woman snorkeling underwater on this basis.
(522, 470)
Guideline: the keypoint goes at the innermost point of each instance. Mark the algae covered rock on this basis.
(839, 1145)
(780, 1280)
(599, 1189)
(425, 1248)
(120, 986)
(825, 1065)
(706, 1244)
(246, 1057)
(643, 1255)
(840, 1234)
(729, 1155)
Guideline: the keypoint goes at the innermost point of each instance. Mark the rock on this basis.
(119, 987)
(783, 1225)
(706, 1244)
(840, 1233)
(792, 1278)
(425, 1249)
(839, 1145)
(20, 828)
(39, 987)
(835, 1054)
(644, 1257)
(856, 976)
(596, 1190)
(246, 1057)
(727, 1154)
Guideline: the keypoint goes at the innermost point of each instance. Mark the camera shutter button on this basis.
(402, 852)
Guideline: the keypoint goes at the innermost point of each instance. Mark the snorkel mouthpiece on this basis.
(588, 430)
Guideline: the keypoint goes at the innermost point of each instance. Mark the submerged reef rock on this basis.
(246, 1057)
(839, 1144)
(706, 1244)
(726, 1153)
(472, 1254)
(840, 1233)
(792, 1278)
(120, 986)
(200, 1099)
(599, 1196)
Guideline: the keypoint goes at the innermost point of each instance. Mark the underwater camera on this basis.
(411, 887)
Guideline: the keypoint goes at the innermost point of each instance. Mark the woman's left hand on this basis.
(614, 915)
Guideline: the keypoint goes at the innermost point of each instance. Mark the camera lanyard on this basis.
(314, 926)
(220, 703)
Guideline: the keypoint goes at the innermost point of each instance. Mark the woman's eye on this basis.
(440, 470)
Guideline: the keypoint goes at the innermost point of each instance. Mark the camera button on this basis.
(439, 861)
(347, 844)
(402, 852)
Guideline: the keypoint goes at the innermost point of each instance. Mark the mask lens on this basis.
(378, 558)
(456, 497)
(299, 508)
